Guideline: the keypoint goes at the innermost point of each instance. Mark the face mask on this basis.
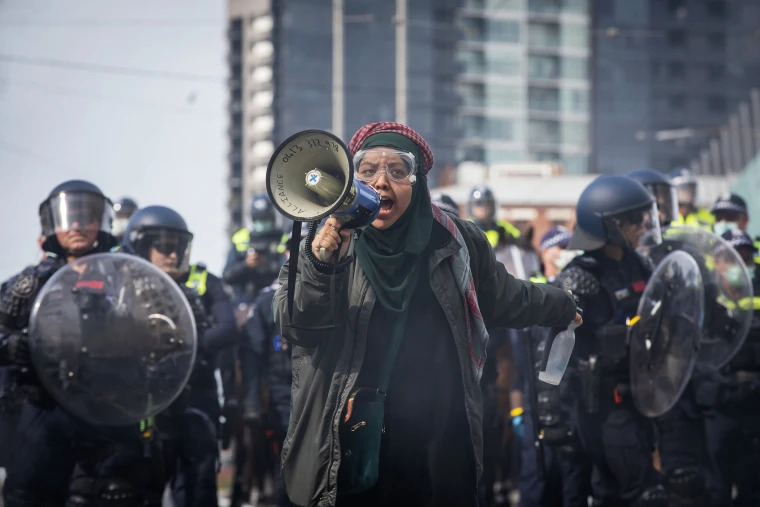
(721, 227)
(735, 276)
(564, 258)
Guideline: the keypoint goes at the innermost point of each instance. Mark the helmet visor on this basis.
(687, 193)
(168, 249)
(627, 228)
(400, 166)
(667, 201)
(76, 211)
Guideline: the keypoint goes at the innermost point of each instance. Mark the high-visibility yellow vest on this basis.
(700, 218)
(493, 234)
(196, 280)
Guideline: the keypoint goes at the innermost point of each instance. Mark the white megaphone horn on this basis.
(311, 176)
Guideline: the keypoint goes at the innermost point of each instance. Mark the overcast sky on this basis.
(75, 103)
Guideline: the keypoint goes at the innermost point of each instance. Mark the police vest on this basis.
(700, 218)
(242, 241)
(197, 278)
(494, 234)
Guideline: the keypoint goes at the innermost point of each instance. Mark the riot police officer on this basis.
(123, 209)
(689, 213)
(76, 222)
(564, 477)
(267, 355)
(160, 235)
(681, 430)
(613, 213)
(253, 261)
(481, 208)
(730, 212)
(733, 429)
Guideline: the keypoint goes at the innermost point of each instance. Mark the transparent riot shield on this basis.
(665, 335)
(520, 263)
(112, 338)
(727, 289)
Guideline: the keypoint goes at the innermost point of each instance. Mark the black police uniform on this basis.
(189, 429)
(733, 429)
(50, 442)
(618, 438)
(567, 469)
(266, 356)
(193, 452)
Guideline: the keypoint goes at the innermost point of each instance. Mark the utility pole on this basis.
(401, 61)
(337, 68)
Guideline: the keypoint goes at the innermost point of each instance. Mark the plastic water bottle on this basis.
(559, 355)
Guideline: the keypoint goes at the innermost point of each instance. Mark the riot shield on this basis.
(520, 263)
(727, 289)
(112, 338)
(665, 335)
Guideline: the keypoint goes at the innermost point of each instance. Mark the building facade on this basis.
(667, 75)
(281, 77)
(524, 82)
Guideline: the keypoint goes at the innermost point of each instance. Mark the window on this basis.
(472, 94)
(575, 36)
(716, 41)
(676, 70)
(543, 35)
(504, 96)
(716, 104)
(543, 132)
(491, 30)
(575, 101)
(716, 9)
(543, 67)
(677, 38)
(574, 68)
(677, 102)
(543, 99)
(714, 73)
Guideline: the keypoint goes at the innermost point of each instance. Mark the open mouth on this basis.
(386, 204)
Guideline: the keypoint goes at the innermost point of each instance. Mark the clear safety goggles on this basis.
(76, 211)
(666, 198)
(400, 166)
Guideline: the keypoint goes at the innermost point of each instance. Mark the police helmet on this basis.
(729, 204)
(608, 203)
(263, 217)
(661, 189)
(481, 195)
(445, 202)
(162, 229)
(72, 205)
(686, 185)
(123, 209)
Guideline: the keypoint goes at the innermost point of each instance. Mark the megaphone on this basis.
(311, 176)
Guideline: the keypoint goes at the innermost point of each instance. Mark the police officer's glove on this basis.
(17, 348)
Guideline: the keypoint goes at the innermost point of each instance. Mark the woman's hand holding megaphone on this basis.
(329, 239)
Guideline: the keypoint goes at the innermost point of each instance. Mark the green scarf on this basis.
(391, 259)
